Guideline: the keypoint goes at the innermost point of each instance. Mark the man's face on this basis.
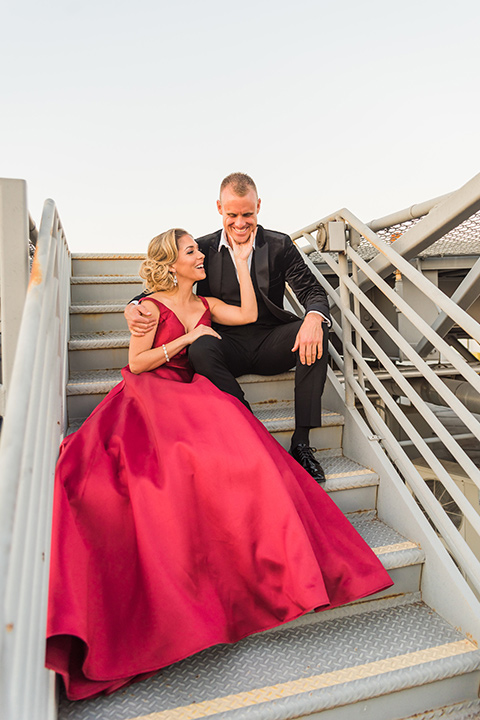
(239, 214)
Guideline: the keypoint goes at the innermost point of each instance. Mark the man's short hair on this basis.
(240, 182)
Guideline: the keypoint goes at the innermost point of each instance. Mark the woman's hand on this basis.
(199, 331)
(242, 251)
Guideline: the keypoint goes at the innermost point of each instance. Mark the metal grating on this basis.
(462, 240)
(286, 655)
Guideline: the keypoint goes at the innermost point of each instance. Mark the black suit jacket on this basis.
(277, 261)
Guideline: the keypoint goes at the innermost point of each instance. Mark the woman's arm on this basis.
(142, 356)
(248, 311)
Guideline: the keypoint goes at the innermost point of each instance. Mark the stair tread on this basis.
(394, 550)
(280, 415)
(104, 279)
(99, 340)
(460, 711)
(299, 669)
(274, 416)
(342, 473)
(94, 377)
(108, 256)
(98, 306)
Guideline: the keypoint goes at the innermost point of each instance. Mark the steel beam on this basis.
(465, 295)
(445, 216)
(410, 213)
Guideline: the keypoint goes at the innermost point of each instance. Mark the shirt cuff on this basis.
(317, 312)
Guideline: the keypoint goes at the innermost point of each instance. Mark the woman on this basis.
(179, 522)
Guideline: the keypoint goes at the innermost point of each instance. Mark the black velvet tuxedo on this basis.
(263, 347)
(276, 261)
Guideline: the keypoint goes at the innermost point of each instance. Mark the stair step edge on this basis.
(310, 695)
(98, 307)
(99, 340)
(108, 256)
(460, 711)
(105, 279)
(432, 656)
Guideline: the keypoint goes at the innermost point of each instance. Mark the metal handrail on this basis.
(34, 421)
(14, 272)
(355, 277)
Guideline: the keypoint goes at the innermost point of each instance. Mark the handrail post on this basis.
(337, 242)
(358, 340)
(14, 272)
(346, 329)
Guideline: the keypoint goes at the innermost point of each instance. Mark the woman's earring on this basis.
(175, 281)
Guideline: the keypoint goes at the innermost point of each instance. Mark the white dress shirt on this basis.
(224, 243)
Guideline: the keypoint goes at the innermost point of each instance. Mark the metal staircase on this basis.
(342, 663)
(410, 651)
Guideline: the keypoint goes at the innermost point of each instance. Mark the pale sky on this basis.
(129, 114)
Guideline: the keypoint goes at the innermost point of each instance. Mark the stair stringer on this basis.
(443, 587)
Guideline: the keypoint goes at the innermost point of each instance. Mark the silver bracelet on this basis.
(166, 353)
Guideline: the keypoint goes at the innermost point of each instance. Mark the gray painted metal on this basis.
(34, 420)
(92, 341)
(410, 213)
(464, 296)
(14, 273)
(393, 258)
(461, 389)
(391, 486)
(298, 653)
(445, 216)
(459, 711)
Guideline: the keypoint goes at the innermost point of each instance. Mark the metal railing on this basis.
(376, 385)
(34, 421)
(14, 272)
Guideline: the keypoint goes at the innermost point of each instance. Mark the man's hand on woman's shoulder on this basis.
(139, 319)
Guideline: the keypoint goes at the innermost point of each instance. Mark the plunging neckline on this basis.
(204, 302)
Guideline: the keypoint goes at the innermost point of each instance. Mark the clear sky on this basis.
(129, 114)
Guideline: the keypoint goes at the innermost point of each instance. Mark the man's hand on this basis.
(309, 340)
(139, 320)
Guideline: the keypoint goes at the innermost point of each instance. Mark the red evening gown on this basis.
(180, 523)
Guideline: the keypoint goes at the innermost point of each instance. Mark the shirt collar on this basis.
(224, 242)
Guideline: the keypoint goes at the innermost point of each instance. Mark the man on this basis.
(278, 339)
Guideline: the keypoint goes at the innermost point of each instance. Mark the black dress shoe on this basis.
(303, 454)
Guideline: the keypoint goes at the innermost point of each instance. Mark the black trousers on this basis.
(264, 351)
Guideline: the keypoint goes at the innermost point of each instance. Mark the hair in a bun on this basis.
(161, 254)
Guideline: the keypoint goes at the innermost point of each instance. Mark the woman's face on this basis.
(189, 264)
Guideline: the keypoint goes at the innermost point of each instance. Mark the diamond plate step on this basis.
(101, 316)
(98, 350)
(459, 711)
(352, 486)
(103, 380)
(95, 340)
(88, 264)
(279, 419)
(343, 667)
(95, 288)
(105, 279)
(265, 388)
(401, 557)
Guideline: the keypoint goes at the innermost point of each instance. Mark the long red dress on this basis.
(180, 523)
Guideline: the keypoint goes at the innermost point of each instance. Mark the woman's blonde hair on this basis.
(161, 254)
